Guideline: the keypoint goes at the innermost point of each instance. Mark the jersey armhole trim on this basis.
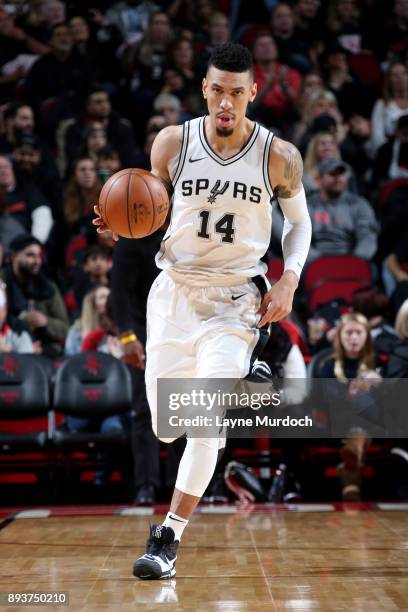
(265, 164)
(183, 153)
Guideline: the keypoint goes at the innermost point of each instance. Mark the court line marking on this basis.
(263, 570)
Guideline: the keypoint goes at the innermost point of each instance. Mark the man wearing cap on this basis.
(342, 221)
(33, 298)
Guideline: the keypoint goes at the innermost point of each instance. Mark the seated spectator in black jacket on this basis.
(98, 44)
(94, 272)
(355, 151)
(343, 222)
(293, 51)
(18, 119)
(397, 366)
(33, 298)
(35, 164)
(119, 132)
(391, 161)
(25, 202)
(62, 74)
(81, 192)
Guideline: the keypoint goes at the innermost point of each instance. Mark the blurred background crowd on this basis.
(86, 86)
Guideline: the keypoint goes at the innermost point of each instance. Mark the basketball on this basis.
(133, 203)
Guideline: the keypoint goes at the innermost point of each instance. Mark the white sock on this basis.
(177, 523)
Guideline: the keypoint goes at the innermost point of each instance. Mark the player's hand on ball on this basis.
(101, 226)
(277, 303)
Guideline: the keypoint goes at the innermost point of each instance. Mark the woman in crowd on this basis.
(352, 367)
(146, 60)
(94, 139)
(388, 109)
(321, 113)
(322, 146)
(93, 308)
(81, 192)
(105, 337)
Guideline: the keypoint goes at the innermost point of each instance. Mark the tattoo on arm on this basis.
(281, 191)
(293, 166)
(292, 172)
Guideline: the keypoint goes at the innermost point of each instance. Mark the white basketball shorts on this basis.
(201, 332)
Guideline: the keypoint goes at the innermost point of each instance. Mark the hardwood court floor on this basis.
(306, 561)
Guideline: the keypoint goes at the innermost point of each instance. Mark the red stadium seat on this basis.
(389, 188)
(335, 276)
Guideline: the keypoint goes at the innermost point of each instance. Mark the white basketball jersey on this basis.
(221, 217)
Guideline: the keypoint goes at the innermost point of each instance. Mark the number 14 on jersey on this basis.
(224, 226)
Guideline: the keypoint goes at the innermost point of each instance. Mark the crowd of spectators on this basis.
(85, 87)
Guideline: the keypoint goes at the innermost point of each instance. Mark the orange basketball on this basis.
(133, 203)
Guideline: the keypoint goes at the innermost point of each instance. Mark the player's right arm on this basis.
(166, 147)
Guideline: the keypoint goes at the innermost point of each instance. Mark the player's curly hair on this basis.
(231, 57)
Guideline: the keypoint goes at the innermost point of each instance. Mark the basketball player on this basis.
(209, 310)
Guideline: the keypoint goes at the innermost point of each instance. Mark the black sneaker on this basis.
(159, 560)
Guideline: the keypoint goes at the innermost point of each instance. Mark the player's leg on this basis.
(227, 348)
(169, 354)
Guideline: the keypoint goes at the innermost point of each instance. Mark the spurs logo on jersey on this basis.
(237, 189)
(221, 213)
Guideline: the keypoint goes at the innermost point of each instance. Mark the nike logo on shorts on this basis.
(236, 297)
(191, 160)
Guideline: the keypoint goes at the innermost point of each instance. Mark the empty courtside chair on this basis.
(91, 385)
(335, 276)
(24, 403)
(24, 424)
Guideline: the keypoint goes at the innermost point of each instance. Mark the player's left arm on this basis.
(285, 173)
